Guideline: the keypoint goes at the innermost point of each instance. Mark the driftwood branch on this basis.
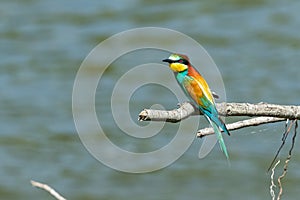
(264, 113)
(48, 189)
(187, 109)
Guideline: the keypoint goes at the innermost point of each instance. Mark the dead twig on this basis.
(285, 134)
(272, 186)
(48, 189)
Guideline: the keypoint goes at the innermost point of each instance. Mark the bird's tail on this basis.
(213, 117)
(219, 136)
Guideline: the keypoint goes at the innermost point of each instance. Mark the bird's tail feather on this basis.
(220, 137)
(213, 115)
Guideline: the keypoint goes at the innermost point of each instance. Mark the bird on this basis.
(198, 91)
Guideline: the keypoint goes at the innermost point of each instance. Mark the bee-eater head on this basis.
(178, 62)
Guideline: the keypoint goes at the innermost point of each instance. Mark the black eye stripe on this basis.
(183, 61)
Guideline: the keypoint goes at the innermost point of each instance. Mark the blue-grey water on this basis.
(255, 44)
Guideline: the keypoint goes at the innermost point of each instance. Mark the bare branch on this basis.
(226, 109)
(260, 109)
(185, 110)
(241, 124)
(48, 189)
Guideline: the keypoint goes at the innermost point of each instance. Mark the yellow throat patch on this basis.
(178, 67)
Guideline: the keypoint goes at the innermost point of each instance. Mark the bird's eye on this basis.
(183, 61)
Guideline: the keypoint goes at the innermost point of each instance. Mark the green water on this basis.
(255, 44)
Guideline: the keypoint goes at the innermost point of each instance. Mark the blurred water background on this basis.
(255, 44)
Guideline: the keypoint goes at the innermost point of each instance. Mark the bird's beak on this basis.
(167, 60)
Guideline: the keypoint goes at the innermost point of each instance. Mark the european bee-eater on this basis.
(196, 88)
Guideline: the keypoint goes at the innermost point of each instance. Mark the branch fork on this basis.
(263, 113)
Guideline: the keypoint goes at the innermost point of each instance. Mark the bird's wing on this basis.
(200, 93)
(198, 90)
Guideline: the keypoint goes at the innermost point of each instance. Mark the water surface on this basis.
(255, 44)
